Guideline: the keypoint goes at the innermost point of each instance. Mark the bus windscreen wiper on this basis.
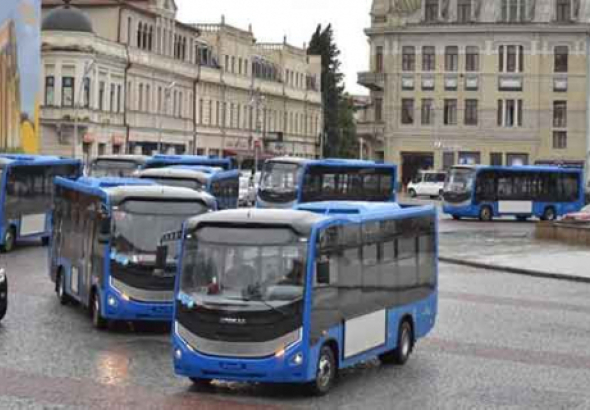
(254, 295)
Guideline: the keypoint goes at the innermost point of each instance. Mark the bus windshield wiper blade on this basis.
(265, 303)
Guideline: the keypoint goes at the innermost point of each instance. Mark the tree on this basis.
(339, 131)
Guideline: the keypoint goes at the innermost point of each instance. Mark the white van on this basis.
(427, 183)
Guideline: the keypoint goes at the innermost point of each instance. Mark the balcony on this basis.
(373, 81)
(560, 84)
(471, 83)
(370, 129)
(510, 82)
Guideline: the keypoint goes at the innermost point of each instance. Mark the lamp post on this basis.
(87, 67)
(167, 92)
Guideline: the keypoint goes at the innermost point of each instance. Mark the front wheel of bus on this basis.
(486, 214)
(549, 214)
(9, 240)
(325, 372)
(96, 309)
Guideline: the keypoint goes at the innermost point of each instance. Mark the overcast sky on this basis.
(297, 19)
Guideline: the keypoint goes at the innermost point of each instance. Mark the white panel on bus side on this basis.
(515, 207)
(364, 333)
(32, 224)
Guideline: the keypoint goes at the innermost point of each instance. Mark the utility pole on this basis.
(87, 67)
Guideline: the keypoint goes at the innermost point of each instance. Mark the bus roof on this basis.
(118, 190)
(530, 168)
(138, 159)
(334, 162)
(348, 207)
(200, 174)
(23, 159)
(187, 159)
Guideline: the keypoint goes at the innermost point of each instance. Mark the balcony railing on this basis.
(371, 80)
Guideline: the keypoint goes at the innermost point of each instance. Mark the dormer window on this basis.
(563, 11)
(463, 11)
(514, 11)
(431, 11)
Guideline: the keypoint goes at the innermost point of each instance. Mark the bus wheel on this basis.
(325, 372)
(405, 342)
(60, 281)
(522, 218)
(201, 383)
(9, 240)
(456, 217)
(95, 309)
(45, 241)
(412, 193)
(549, 214)
(486, 214)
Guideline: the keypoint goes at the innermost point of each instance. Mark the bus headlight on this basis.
(112, 301)
(2, 276)
(297, 360)
(177, 354)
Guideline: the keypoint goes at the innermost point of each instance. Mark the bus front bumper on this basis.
(118, 306)
(290, 366)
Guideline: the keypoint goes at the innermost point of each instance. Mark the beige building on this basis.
(140, 81)
(10, 104)
(478, 81)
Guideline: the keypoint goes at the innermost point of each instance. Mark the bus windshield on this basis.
(279, 182)
(460, 180)
(139, 225)
(237, 269)
(109, 168)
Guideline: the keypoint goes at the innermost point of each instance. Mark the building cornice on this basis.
(431, 29)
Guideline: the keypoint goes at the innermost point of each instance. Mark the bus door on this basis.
(87, 260)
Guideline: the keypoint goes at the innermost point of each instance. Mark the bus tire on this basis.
(9, 240)
(486, 214)
(412, 193)
(200, 383)
(522, 218)
(45, 241)
(405, 345)
(60, 288)
(326, 372)
(98, 321)
(549, 214)
(456, 217)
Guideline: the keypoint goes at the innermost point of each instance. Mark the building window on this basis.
(226, 63)
(450, 112)
(448, 160)
(379, 59)
(140, 102)
(451, 58)
(511, 59)
(378, 109)
(464, 11)
(471, 112)
(431, 11)
(514, 10)
(112, 98)
(119, 98)
(101, 96)
(427, 111)
(49, 90)
(471, 59)
(67, 91)
(560, 114)
(428, 58)
(496, 159)
(408, 58)
(148, 96)
(560, 59)
(559, 140)
(407, 111)
(563, 11)
(510, 113)
(517, 160)
(86, 84)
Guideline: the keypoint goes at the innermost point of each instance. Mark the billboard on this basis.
(20, 64)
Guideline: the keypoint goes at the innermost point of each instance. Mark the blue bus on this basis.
(106, 242)
(118, 166)
(160, 161)
(292, 296)
(287, 182)
(223, 185)
(486, 192)
(26, 195)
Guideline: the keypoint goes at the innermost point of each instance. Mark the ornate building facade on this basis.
(10, 104)
(137, 80)
(501, 82)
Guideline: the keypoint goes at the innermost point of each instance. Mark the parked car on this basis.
(427, 183)
(582, 216)
(3, 293)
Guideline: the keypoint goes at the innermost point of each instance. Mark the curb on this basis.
(516, 271)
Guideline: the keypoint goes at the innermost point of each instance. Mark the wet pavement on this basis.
(502, 341)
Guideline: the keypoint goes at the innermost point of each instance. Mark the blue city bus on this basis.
(106, 242)
(160, 161)
(223, 185)
(287, 182)
(486, 192)
(292, 296)
(26, 196)
(121, 166)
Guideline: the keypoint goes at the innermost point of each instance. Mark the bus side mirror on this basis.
(104, 233)
(323, 273)
(161, 257)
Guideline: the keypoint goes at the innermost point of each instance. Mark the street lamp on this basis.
(167, 92)
(87, 68)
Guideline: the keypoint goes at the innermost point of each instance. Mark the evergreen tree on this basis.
(339, 130)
